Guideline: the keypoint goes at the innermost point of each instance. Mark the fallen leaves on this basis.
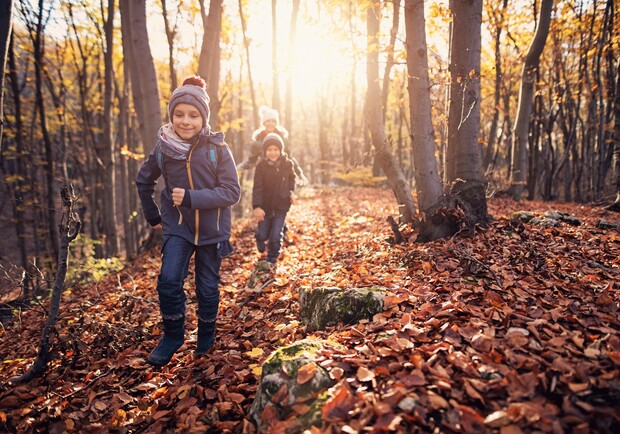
(511, 329)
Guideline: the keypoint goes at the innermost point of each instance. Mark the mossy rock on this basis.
(522, 216)
(328, 306)
(280, 373)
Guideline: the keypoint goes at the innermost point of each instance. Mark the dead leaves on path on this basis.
(513, 329)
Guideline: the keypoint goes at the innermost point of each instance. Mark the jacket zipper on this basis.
(191, 185)
(219, 213)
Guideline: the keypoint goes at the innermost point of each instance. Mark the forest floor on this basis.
(514, 328)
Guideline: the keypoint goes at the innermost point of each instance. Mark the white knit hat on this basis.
(267, 114)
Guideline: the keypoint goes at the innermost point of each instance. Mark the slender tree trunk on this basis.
(396, 179)
(616, 205)
(390, 56)
(209, 62)
(170, 35)
(275, 102)
(144, 86)
(18, 172)
(6, 26)
(246, 45)
(497, 94)
(69, 229)
(109, 151)
(428, 183)
(526, 93)
(289, 79)
(49, 155)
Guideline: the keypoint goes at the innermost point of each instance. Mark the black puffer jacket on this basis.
(273, 184)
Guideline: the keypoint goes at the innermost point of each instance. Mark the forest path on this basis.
(517, 324)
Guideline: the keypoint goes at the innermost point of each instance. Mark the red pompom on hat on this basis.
(193, 91)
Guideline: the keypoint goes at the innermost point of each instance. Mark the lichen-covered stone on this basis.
(545, 222)
(324, 307)
(280, 370)
(523, 216)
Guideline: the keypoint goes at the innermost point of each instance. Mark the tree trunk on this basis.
(395, 176)
(526, 93)
(464, 161)
(209, 61)
(289, 79)
(6, 26)
(69, 229)
(390, 57)
(616, 205)
(18, 172)
(246, 45)
(497, 94)
(428, 183)
(275, 103)
(144, 86)
(49, 155)
(170, 35)
(109, 149)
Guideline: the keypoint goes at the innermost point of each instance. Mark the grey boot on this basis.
(171, 341)
(206, 337)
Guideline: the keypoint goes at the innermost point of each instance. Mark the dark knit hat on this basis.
(193, 91)
(273, 139)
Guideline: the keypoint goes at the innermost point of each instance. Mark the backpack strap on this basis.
(160, 163)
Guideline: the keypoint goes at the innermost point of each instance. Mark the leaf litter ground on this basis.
(512, 329)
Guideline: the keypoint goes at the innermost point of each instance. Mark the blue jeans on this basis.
(271, 230)
(174, 268)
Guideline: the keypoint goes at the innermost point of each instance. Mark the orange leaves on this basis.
(306, 373)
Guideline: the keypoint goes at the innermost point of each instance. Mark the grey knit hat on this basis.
(273, 139)
(191, 92)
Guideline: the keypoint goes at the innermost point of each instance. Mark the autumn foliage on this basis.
(513, 328)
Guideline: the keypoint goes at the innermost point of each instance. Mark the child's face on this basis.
(270, 125)
(186, 121)
(272, 152)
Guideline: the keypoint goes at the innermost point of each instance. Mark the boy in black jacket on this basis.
(272, 195)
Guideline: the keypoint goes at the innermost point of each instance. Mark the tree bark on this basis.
(526, 93)
(209, 61)
(6, 26)
(69, 229)
(616, 205)
(109, 149)
(145, 88)
(390, 56)
(18, 172)
(170, 35)
(428, 183)
(289, 79)
(47, 140)
(275, 102)
(246, 45)
(396, 179)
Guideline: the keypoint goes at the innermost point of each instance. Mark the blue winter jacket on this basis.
(213, 187)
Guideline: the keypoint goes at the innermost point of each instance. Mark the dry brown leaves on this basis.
(512, 329)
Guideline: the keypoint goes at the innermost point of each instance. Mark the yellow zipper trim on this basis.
(219, 212)
(191, 185)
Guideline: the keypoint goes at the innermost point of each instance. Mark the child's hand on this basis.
(259, 214)
(293, 197)
(177, 196)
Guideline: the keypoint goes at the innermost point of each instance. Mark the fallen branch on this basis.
(69, 229)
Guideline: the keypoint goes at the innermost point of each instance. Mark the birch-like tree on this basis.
(526, 94)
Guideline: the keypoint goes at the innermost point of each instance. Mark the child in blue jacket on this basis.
(201, 185)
